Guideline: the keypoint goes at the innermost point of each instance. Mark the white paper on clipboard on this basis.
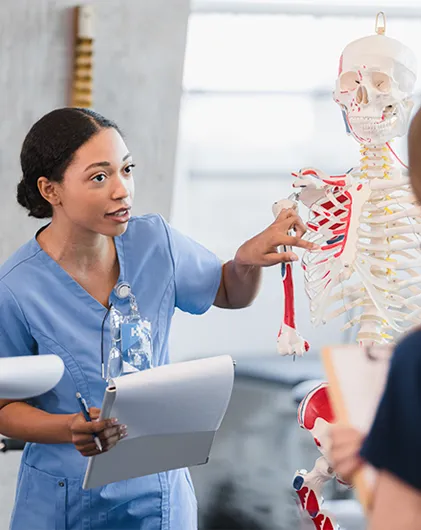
(172, 413)
(357, 377)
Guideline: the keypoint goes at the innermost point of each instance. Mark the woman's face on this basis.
(97, 190)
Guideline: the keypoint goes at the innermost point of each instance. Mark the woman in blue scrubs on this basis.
(55, 295)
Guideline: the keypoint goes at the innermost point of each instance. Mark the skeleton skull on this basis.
(374, 87)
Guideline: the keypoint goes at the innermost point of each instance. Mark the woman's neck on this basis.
(72, 246)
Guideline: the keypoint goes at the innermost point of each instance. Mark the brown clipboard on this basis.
(367, 368)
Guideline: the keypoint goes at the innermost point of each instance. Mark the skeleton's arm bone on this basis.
(289, 340)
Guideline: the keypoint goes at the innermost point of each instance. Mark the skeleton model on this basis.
(368, 227)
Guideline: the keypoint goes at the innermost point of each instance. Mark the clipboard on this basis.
(357, 378)
(172, 413)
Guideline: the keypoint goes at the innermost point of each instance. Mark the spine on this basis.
(376, 163)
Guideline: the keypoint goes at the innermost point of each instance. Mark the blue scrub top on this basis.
(43, 311)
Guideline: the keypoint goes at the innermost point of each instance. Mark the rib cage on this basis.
(369, 266)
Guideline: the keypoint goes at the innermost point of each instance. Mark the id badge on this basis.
(136, 343)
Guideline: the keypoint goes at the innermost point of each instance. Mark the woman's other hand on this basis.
(344, 451)
(108, 431)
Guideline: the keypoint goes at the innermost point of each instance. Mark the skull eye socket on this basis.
(381, 81)
(349, 81)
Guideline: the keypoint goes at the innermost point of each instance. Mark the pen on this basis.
(85, 412)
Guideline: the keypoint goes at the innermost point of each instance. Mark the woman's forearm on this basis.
(239, 286)
(24, 422)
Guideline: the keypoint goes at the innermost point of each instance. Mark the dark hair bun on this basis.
(38, 207)
(22, 196)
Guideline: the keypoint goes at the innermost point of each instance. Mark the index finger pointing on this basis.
(301, 243)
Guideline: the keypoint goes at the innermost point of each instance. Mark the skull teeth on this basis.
(367, 124)
(377, 121)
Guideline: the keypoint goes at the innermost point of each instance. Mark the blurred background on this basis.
(219, 101)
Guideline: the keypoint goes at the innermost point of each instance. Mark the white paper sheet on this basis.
(361, 375)
(29, 376)
(172, 413)
(176, 398)
(362, 380)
